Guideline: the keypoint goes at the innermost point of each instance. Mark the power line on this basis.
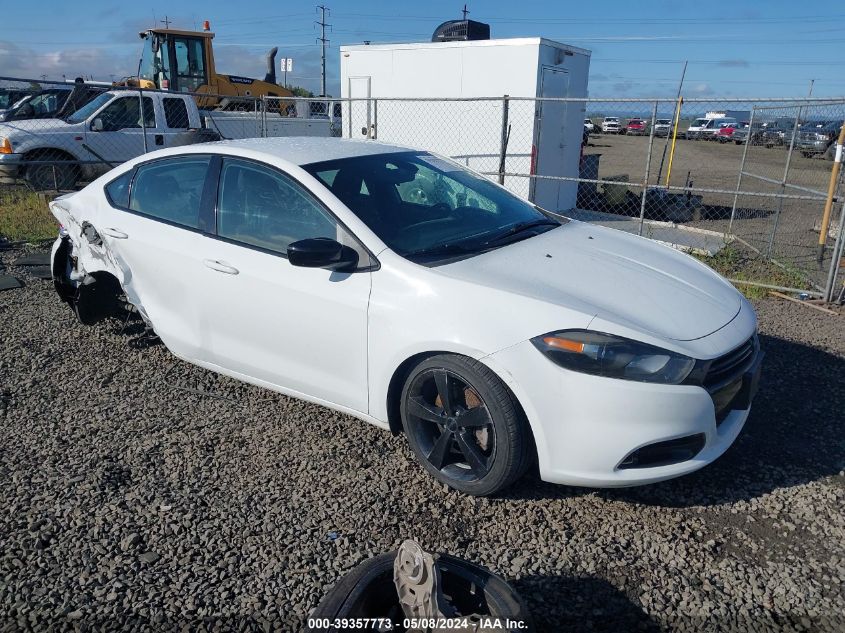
(323, 41)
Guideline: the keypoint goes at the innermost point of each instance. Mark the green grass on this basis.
(734, 264)
(24, 216)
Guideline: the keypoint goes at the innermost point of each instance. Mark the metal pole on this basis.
(828, 205)
(674, 139)
(784, 179)
(503, 139)
(742, 167)
(143, 118)
(647, 169)
(374, 127)
(837, 256)
(263, 116)
(666, 145)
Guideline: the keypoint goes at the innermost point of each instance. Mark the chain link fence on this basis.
(744, 184)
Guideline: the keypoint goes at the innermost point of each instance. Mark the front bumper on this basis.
(587, 427)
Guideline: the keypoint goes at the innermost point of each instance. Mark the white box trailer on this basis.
(545, 137)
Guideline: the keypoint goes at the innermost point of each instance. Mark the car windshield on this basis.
(663, 121)
(428, 208)
(89, 108)
(700, 122)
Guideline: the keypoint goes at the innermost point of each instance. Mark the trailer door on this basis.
(359, 119)
(550, 143)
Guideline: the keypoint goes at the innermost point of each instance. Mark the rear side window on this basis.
(175, 113)
(171, 189)
(117, 191)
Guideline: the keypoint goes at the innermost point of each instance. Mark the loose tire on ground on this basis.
(368, 592)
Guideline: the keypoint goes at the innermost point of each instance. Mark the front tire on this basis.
(464, 425)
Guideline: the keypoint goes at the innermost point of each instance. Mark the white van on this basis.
(706, 128)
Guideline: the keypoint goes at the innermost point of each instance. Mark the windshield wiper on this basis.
(454, 248)
(519, 227)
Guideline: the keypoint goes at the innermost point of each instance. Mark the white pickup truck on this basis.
(108, 130)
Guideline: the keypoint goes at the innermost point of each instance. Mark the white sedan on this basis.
(399, 287)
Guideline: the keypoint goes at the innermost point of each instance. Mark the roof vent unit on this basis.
(461, 31)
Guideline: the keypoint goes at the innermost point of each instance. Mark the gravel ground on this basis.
(127, 499)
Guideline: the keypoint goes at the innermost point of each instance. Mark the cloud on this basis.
(623, 87)
(109, 62)
(734, 63)
(700, 89)
(101, 62)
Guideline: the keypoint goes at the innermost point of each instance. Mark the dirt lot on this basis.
(128, 500)
(713, 165)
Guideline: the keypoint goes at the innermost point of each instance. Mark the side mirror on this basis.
(97, 125)
(322, 252)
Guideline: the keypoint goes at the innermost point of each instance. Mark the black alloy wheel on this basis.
(464, 425)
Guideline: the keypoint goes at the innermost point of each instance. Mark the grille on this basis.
(725, 369)
(724, 377)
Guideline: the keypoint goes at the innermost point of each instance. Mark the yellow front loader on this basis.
(183, 61)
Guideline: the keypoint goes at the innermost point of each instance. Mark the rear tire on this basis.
(464, 425)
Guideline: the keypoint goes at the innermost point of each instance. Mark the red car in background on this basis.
(726, 132)
(635, 126)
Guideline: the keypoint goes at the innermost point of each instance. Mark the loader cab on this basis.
(180, 61)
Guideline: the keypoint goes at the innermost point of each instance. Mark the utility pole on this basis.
(323, 41)
(465, 11)
(166, 22)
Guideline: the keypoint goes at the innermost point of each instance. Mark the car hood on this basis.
(32, 126)
(618, 277)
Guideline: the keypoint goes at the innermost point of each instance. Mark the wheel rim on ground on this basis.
(451, 424)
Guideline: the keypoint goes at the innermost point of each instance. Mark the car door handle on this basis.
(221, 267)
(115, 233)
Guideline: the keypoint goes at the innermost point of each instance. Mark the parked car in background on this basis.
(399, 287)
(53, 102)
(706, 128)
(611, 125)
(10, 97)
(662, 127)
(589, 126)
(726, 132)
(106, 131)
(635, 127)
(740, 134)
(819, 139)
(777, 133)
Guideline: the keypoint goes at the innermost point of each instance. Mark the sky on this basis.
(734, 49)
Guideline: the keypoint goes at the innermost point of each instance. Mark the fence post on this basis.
(374, 128)
(503, 142)
(263, 116)
(647, 169)
(837, 256)
(783, 182)
(741, 168)
(143, 118)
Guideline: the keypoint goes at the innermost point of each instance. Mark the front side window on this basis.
(90, 108)
(261, 207)
(125, 112)
(425, 207)
(171, 189)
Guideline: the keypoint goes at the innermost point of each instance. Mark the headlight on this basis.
(614, 357)
(5, 146)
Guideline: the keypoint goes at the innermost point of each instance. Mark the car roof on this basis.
(303, 150)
